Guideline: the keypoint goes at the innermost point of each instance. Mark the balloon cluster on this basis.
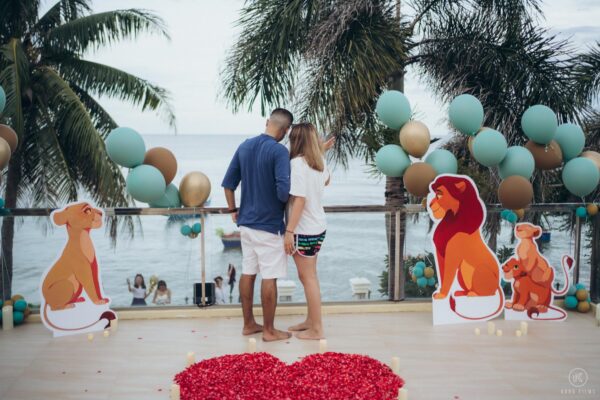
(191, 231)
(8, 137)
(393, 109)
(152, 172)
(589, 211)
(423, 275)
(578, 298)
(21, 309)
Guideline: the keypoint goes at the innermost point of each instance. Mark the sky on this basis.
(203, 31)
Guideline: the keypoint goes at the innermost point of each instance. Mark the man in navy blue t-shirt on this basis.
(262, 165)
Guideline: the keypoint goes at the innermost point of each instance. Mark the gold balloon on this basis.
(194, 189)
(7, 133)
(428, 272)
(415, 138)
(583, 306)
(164, 161)
(417, 178)
(592, 209)
(520, 213)
(4, 154)
(193, 235)
(547, 156)
(515, 192)
(592, 155)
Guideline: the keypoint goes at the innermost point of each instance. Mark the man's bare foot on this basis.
(300, 327)
(310, 334)
(275, 334)
(252, 329)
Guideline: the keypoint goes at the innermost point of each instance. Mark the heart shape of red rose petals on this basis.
(256, 376)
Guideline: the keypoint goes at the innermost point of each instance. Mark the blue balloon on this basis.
(392, 161)
(2, 99)
(571, 302)
(580, 176)
(185, 230)
(420, 264)
(579, 286)
(422, 282)
(466, 114)
(443, 161)
(581, 212)
(539, 124)
(571, 291)
(518, 161)
(125, 147)
(20, 305)
(197, 227)
(169, 200)
(431, 281)
(489, 147)
(418, 272)
(571, 139)
(393, 109)
(146, 183)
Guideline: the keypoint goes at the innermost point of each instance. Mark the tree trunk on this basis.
(8, 226)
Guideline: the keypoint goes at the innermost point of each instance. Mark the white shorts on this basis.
(263, 252)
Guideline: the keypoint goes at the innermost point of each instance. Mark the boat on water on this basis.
(231, 240)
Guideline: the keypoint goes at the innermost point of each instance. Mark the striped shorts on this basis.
(309, 245)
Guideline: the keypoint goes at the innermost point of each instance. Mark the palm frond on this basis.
(587, 73)
(17, 17)
(62, 11)
(14, 78)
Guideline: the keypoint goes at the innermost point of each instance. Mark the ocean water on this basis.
(355, 245)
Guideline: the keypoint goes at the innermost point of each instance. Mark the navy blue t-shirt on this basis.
(263, 167)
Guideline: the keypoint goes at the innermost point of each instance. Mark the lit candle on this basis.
(524, 328)
(322, 345)
(396, 365)
(491, 328)
(106, 333)
(191, 358)
(251, 345)
(518, 333)
(90, 337)
(499, 332)
(477, 331)
(402, 394)
(114, 325)
(175, 392)
(598, 314)
(7, 318)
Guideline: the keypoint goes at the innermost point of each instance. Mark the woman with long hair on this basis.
(306, 226)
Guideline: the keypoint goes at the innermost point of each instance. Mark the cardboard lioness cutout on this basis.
(532, 279)
(468, 270)
(73, 300)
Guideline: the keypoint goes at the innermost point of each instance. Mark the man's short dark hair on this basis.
(282, 113)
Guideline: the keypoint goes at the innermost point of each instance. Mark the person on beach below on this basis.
(219, 295)
(162, 295)
(262, 165)
(139, 290)
(306, 223)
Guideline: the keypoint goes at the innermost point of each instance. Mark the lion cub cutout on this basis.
(468, 270)
(532, 279)
(73, 300)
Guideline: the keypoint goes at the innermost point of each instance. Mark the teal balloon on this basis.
(539, 124)
(420, 264)
(2, 203)
(518, 161)
(125, 147)
(431, 281)
(512, 217)
(422, 282)
(580, 176)
(418, 272)
(197, 227)
(571, 302)
(442, 161)
(466, 114)
(20, 305)
(392, 161)
(504, 213)
(489, 147)
(581, 212)
(185, 230)
(571, 291)
(18, 317)
(393, 109)
(169, 200)
(2, 99)
(579, 286)
(146, 183)
(571, 139)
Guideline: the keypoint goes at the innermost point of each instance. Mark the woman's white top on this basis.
(310, 184)
(219, 296)
(139, 292)
(162, 298)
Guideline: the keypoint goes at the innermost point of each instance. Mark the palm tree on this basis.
(50, 104)
(332, 59)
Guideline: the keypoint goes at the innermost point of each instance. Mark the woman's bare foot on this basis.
(252, 329)
(275, 334)
(300, 327)
(310, 334)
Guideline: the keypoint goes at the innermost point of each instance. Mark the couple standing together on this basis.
(275, 180)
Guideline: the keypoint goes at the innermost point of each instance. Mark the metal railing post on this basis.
(202, 259)
(577, 254)
(398, 261)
